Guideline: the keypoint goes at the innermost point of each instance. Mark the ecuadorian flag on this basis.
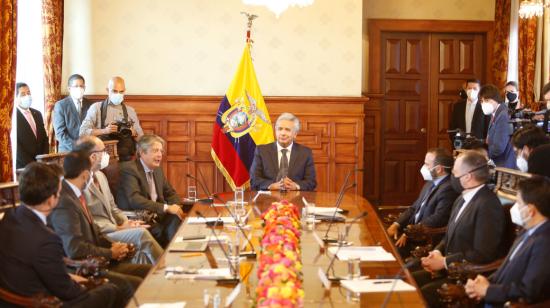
(241, 124)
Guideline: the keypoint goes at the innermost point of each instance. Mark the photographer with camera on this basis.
(545, 116)
(111, 119)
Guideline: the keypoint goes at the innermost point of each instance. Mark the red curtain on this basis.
(527, 42)
(8, 53)
(52, 45)
(501, 42)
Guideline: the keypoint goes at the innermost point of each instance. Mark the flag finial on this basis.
(250, 18)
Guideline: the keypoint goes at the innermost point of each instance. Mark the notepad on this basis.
(164, 305)
(365, 253)
(200, 220)
(377, 285)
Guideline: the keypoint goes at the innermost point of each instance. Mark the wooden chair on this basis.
(55, 158)
(9, 197)
(35, 301)
(112, 171)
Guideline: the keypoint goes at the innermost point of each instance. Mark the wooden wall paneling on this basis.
(372, 148)
(333, 127)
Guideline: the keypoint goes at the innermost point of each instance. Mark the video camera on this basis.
(463, 140)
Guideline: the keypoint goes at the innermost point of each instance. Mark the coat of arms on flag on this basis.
(242, 123)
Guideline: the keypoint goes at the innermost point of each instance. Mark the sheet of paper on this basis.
(201, 274)
(365, 253)
(377, 285)
(324, 210)
(323, 278)
(231, 297)
(163, 305)
(210, 239)
(200, 220)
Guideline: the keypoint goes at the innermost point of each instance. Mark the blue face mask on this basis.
(116, 98)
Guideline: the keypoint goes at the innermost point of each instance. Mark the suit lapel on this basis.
(77, 204)
(25, 125)
(274, 156)
(96, 190)
(158, 184)
(293, 157)
(427, 199)
(464, 213)
(143, 177)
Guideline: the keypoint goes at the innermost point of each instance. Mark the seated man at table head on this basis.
(284, 164)
(434, 203)
(476, 228)
(109, 218)
(31, 134)
(143, 186)
(72, 221)
(69, 113)
(31, 254)
(112, 119)
(525, 273)
(525, 140)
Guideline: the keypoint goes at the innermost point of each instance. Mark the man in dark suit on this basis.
(284, 164)
(476, 227)
(31, 134)
(525, 273)
(69, 113)
(81, 237)
(498, 136)
(467, 114)
(143, 186)
(31, 254)
(433, 206)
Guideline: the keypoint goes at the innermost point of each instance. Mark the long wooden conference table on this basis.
(368, 231)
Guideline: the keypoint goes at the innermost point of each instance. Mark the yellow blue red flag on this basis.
(242, 123)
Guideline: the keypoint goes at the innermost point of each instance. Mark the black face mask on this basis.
(455, 184)
(511, 96)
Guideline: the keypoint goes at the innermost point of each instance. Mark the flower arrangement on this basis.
(279, 263)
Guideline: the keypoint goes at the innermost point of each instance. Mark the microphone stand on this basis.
(326, 239)
(397, 276)
(235, 278)
(202, 183)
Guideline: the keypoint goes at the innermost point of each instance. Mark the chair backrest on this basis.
(36, 301)
(9, 197)
(55, 158)
(506, 186)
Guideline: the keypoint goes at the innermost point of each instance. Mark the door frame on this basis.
(374, 91)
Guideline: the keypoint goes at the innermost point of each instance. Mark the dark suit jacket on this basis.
(437, 209)
(31, 257)
(498, 139)
(265, 167)
(29, 145)
(67, 121)
(80, 238)
(133, 189)
(478, 235)
(527, 275)
(480, 122)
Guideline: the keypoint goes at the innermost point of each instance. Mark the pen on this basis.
(385, 281)
(193, 254)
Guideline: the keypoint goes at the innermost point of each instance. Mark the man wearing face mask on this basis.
(433, 206)
(105, 120)
(525, 273)
(525, 140)
(498, 135)
(108, 217)
(73, 222)
(467, 114)
(31, 134)
(545, 93)
(476, 226)
(511, 97)
(69, 113)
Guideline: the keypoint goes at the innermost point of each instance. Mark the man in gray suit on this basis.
(69, 113)
(111, 221)
(284, 164)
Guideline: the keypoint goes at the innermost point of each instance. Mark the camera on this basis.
(124, 128)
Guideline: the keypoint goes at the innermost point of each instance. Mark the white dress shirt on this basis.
(467, 196)
(470, 109)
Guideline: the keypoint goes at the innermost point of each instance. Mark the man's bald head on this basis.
(116, 85)
(94, 147)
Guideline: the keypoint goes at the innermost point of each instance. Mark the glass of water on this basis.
(239, 196)
(310, 220)
(192, 193)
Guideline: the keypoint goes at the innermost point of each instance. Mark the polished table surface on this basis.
(366, 232)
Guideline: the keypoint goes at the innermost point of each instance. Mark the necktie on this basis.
(30, 119)
(283, 167)
(152, 188)
(424, 201)
(85, 208)
(460, 208)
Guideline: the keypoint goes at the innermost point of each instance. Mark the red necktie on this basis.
(85, 208)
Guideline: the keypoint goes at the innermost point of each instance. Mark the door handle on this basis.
(423, 130)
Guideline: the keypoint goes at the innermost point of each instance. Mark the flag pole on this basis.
(250, 18)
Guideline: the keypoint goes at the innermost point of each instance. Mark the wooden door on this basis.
(455, 58)
(405, 76)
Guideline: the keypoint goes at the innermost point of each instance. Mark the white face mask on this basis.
(116, 98)
(104, 160)
(521, 162)
(77, 93)
(426, 173)
(548, 105)
(487, 108)
(25, 102)
(472, 94)
(515, 214)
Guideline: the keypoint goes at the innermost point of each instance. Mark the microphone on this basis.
(209, 199)
(247, 254)
(340, 245)
(234, 279)
(202, 183)
(403, 268)
(326, 239)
